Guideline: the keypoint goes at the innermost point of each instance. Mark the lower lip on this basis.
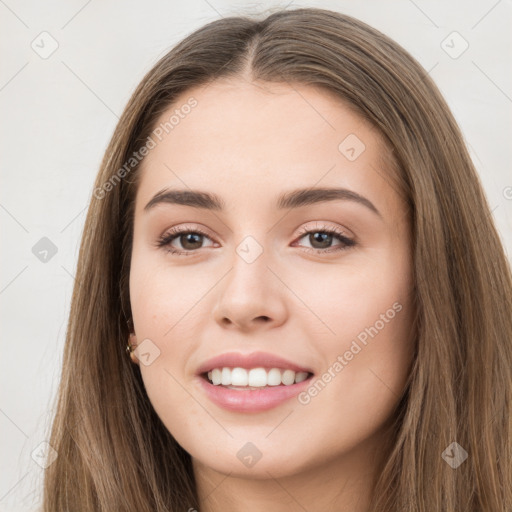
(252, 400)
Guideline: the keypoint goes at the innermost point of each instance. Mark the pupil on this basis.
(324, 238)
(191, 236)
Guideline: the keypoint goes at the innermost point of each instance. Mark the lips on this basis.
(249, 361)
(251, 400)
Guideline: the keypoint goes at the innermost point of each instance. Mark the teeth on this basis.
(255, 377)
(225, 377)
(274, 377)
(239, 376)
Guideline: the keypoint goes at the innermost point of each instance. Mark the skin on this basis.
(249, 142)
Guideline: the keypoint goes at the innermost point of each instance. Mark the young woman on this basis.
(290, 238)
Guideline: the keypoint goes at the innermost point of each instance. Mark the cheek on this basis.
(366, 361)
(169, 308)
(166, 306)
(365, 314)
(164, 297)
(363, 292)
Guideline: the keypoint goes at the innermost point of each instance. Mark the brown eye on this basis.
(321, 240)
(189, 240)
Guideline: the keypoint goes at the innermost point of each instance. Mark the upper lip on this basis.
(252, 360)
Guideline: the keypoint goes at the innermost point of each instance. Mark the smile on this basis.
(245, 398)
(254, 378)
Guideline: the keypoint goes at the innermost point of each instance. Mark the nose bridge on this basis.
(250, 290)
(249, 266)
(251, 249)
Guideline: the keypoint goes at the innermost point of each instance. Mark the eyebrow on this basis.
(293, 199)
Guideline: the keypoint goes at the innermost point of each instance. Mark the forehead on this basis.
(250, 141)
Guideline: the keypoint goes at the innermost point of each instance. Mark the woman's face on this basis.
(265, 275)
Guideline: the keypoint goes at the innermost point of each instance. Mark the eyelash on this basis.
(165, 240)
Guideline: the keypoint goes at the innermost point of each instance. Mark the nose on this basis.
(250, 297)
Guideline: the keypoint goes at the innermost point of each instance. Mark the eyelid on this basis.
(175, 231)
(325, 226)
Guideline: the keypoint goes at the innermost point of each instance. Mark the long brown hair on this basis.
(114, 453)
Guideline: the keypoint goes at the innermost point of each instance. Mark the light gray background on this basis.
(58, 115)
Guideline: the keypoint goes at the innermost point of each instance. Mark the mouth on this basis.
(252, 382)
(258, 378)
(253, 390)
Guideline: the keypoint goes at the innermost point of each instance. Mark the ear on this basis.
(132, 342)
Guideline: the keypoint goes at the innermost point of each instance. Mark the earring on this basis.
(130, 347)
